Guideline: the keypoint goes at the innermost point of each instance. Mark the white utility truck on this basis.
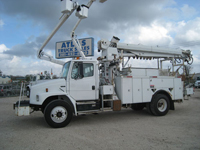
(106, 84)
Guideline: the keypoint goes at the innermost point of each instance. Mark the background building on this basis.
(4, 79)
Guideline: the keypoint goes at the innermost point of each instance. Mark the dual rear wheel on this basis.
(159, 106)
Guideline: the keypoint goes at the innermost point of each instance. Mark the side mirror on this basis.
(80, 64)
(77, 71)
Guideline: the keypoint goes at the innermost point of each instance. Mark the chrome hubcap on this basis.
(162, 105)
(59, 114)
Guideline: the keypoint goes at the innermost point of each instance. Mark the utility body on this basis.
(87, 85)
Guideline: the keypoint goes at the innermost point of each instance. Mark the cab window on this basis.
(88, 70)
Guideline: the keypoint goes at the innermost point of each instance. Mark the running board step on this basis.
(88, 112)
(106, 109)
(105, 100)
(85, 103)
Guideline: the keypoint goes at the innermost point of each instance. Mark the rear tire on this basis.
(160, 105)
(58, 113)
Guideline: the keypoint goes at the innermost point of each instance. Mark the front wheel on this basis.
(58, 113)
(28, 92)
(160, 105)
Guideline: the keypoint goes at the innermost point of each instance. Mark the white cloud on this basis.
(188, 32)
(154, 34)
(16, 65)
(3, 48)
(188, 11)
(20, 66)
(145, 22)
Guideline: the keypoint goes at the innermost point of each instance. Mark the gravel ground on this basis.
(127, 129)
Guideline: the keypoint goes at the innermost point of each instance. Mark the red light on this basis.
(154, 76)
(151, 86)
(129, 76)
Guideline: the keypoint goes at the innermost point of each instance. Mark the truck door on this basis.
(82, 81)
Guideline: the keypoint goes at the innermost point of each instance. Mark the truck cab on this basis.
(82, 79)
(79, 84)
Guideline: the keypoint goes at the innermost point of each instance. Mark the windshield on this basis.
(65, 70)
(34, 78)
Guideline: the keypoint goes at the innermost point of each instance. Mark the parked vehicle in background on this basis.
(10, 89)
(6, 90)
(197, 84)
(16, 89)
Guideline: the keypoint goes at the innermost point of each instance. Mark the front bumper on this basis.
(22, 108)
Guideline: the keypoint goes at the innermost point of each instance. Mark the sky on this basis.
(25, 25)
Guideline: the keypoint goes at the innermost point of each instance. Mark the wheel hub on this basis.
(59, 114)
(162, 105)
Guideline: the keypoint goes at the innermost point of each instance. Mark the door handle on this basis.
(93, 87)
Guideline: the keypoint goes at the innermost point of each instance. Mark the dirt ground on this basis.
(127, 129)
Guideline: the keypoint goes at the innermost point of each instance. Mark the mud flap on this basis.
(172, 105)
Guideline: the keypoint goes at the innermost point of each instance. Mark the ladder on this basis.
(108, 99)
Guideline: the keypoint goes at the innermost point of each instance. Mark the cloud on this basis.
(3, 48)
(102, 17)
(146, 22)
(154, 33)
(188, 33)
(27, 49)
(20, 66)
(3, 56)
(188, 11)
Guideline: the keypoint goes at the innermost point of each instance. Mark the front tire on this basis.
(28, 92)
(160, 105)
(58, 113)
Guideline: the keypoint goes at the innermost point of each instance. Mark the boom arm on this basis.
(68, 9)
(145, 52)
(41, 54)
